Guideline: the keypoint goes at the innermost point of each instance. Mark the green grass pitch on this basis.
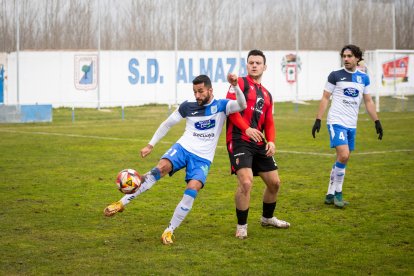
(56, 179)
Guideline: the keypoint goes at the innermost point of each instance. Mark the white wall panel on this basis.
(142, 77)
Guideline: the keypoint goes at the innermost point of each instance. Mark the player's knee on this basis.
(278, 183)
(164, 166)
(343, 158)
(245, 180)
(274, 185)
(245, 186)
(194, 185)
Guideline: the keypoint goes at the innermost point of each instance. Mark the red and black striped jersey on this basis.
(258, 113)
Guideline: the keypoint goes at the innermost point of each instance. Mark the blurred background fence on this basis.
(211, 25)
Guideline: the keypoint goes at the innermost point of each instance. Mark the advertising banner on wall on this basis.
(128, 78)
(395, 71)
(392, 72)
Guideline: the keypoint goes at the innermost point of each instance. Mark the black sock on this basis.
(268, 209)
(242, 216)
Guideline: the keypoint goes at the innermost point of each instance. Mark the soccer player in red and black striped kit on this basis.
(250, 141)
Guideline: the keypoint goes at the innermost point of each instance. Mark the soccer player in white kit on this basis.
(194, 151)
(347, 86)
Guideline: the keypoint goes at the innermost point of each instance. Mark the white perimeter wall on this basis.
(142, 77)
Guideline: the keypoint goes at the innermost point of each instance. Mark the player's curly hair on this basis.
(355, 50)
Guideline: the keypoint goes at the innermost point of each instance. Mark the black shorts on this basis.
(243, 154)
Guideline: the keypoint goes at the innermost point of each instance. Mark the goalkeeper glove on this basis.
(316, 127)
(378, 127)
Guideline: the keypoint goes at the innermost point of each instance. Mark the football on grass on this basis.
(128, 181)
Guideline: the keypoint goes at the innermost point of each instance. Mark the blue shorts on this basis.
(196, 167)
(340, 135)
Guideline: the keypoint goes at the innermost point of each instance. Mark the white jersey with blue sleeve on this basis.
(347, 89)
(203, 127)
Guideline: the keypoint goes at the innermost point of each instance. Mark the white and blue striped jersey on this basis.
(203, 126)
(347, 90)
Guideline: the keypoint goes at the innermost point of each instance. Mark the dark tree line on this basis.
(205, 24)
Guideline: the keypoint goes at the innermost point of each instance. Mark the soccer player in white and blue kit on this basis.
(194, 151)
(347, 86)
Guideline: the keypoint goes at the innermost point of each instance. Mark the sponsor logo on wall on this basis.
(291, 66)
(86, 72)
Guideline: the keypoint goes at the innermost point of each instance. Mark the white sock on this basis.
(150, 179)
(339, 175)
(182, 209)
(331, 186)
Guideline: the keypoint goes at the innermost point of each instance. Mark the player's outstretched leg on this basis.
(114, 208)
(167, 237)
(148, 180)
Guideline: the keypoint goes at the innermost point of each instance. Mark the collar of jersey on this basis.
(251, 81)
(212, 101)
(350, 71)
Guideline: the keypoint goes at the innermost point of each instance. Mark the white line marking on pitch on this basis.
(168, 142)
(354, 153)
(69, 135)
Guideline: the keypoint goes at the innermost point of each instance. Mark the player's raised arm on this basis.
(240, 103)
(236, 118)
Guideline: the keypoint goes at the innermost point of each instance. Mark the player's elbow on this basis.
(243, 106)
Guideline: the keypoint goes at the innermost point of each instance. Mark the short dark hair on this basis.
(256, 52)
(356, 51)
(202, 79)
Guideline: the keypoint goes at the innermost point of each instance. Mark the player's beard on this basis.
(203, 102)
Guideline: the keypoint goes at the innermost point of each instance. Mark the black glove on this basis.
(317, 127)
(378, 127)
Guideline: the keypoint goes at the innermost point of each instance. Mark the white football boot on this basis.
(241, 231)
(274, 222)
